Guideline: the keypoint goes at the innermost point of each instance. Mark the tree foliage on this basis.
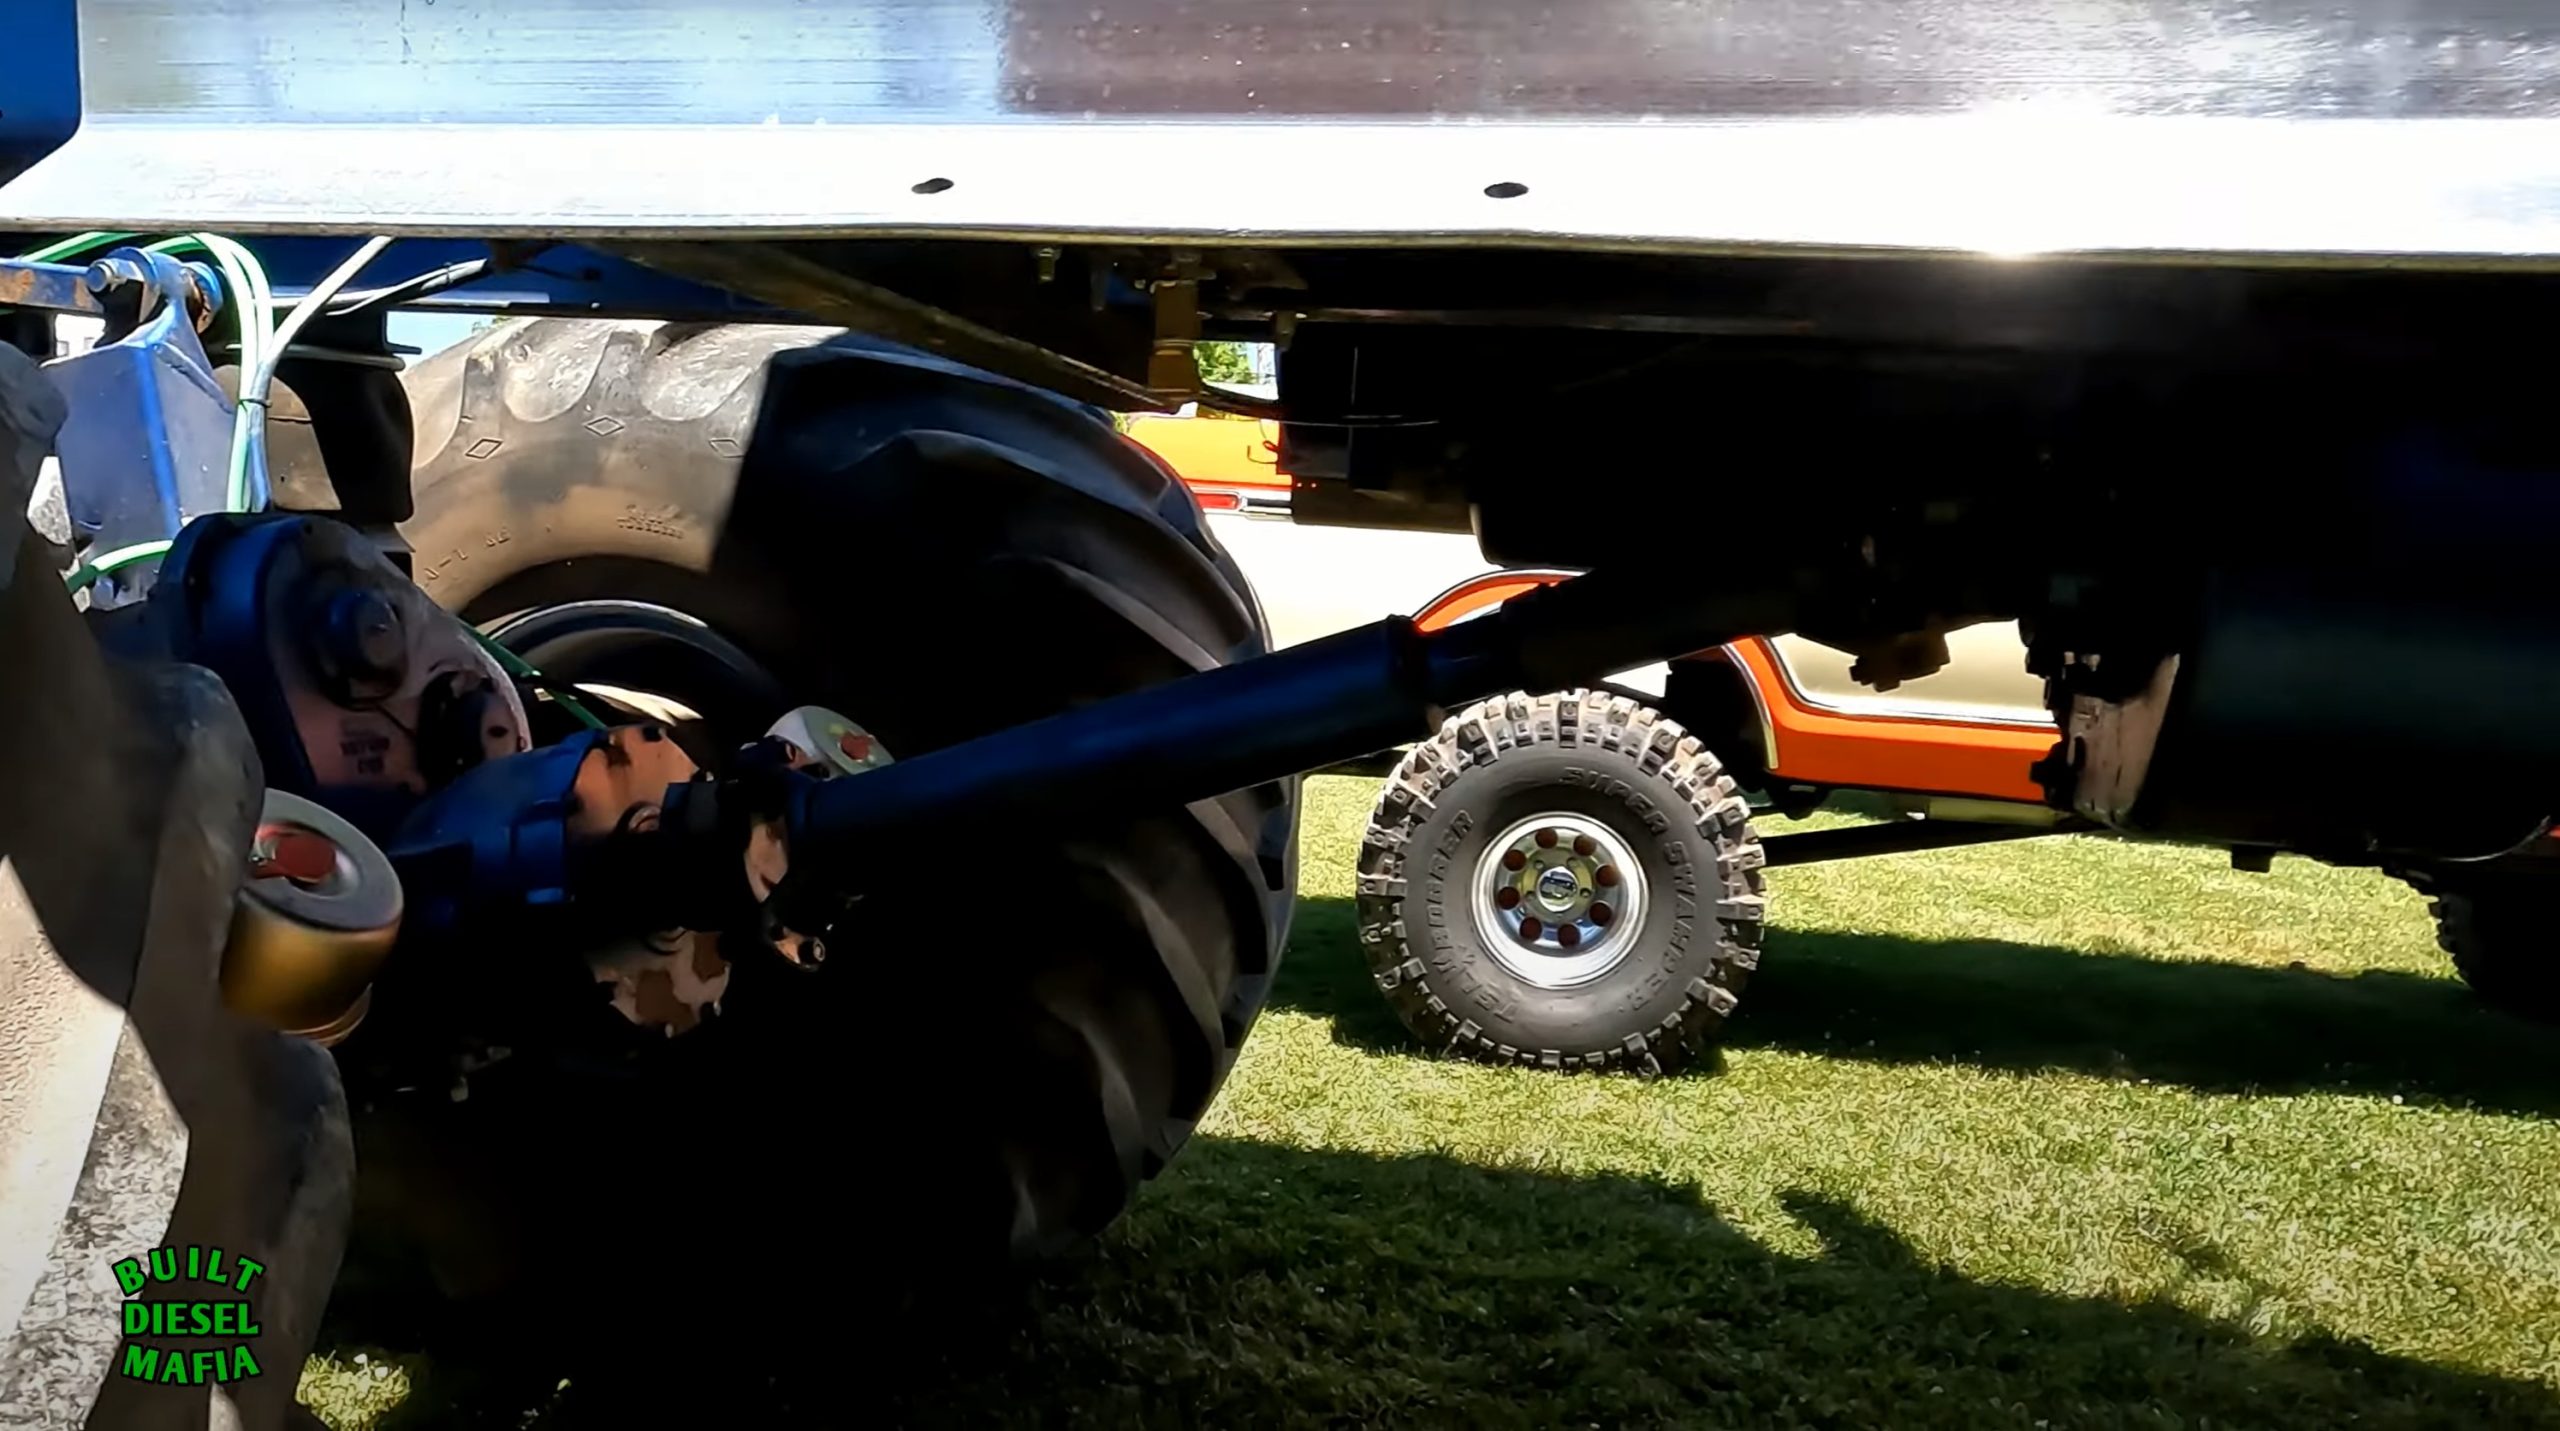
(1227, 363)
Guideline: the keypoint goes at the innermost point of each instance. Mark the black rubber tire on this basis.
(937, 553)
(2502, 927)
(1605, 757)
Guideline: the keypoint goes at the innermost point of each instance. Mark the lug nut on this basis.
(1606, 876)
(1601, 914)
(1530, 929)
(1584, 844)
(1513, 859)
(1506, 897)
(1546, 839)
(1568, 935)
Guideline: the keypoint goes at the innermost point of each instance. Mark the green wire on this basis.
(77, 243)
(86, 574)
(250, 301)
(253, 304)
(522, 669)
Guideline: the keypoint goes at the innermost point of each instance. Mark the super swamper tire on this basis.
(1523, 819)
(2502, 927)
(1028, 1028)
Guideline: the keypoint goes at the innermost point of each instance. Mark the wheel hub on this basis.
(1558, 888)
(1558, 899)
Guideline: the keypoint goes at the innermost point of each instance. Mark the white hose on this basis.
(263, 379)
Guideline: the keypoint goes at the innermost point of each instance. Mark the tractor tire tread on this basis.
(843, 508)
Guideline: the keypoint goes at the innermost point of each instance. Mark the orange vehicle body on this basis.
(1810, 745)
(1813, 746)
(1229, 464)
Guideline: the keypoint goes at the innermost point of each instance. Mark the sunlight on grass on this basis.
(354, 1394)
(2428, 1231)
(2068, 1132)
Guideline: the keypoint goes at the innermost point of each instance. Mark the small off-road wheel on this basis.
(1562, 881)
(2498, 924)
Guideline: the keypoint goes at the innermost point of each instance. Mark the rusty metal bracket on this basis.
(54, 287)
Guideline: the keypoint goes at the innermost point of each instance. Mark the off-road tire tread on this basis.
(2502, 931)
(1483, 735)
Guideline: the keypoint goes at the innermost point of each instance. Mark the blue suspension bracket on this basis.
(146, 446)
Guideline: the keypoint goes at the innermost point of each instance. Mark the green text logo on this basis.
(198, 1295)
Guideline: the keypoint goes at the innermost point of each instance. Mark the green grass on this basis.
(2063, 1133)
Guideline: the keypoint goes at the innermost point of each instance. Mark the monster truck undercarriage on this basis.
(2243, 426)
(2262, 521)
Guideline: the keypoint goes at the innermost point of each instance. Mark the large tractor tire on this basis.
(744, 519)
(1563, 881)
(2502, 927)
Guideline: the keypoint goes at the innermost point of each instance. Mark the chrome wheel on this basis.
(1558, 899)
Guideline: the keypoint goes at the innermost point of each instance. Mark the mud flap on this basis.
(139, 1112)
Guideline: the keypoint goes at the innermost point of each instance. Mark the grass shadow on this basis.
(1271, 1286)
(1325, 974)
(2220, 1027)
